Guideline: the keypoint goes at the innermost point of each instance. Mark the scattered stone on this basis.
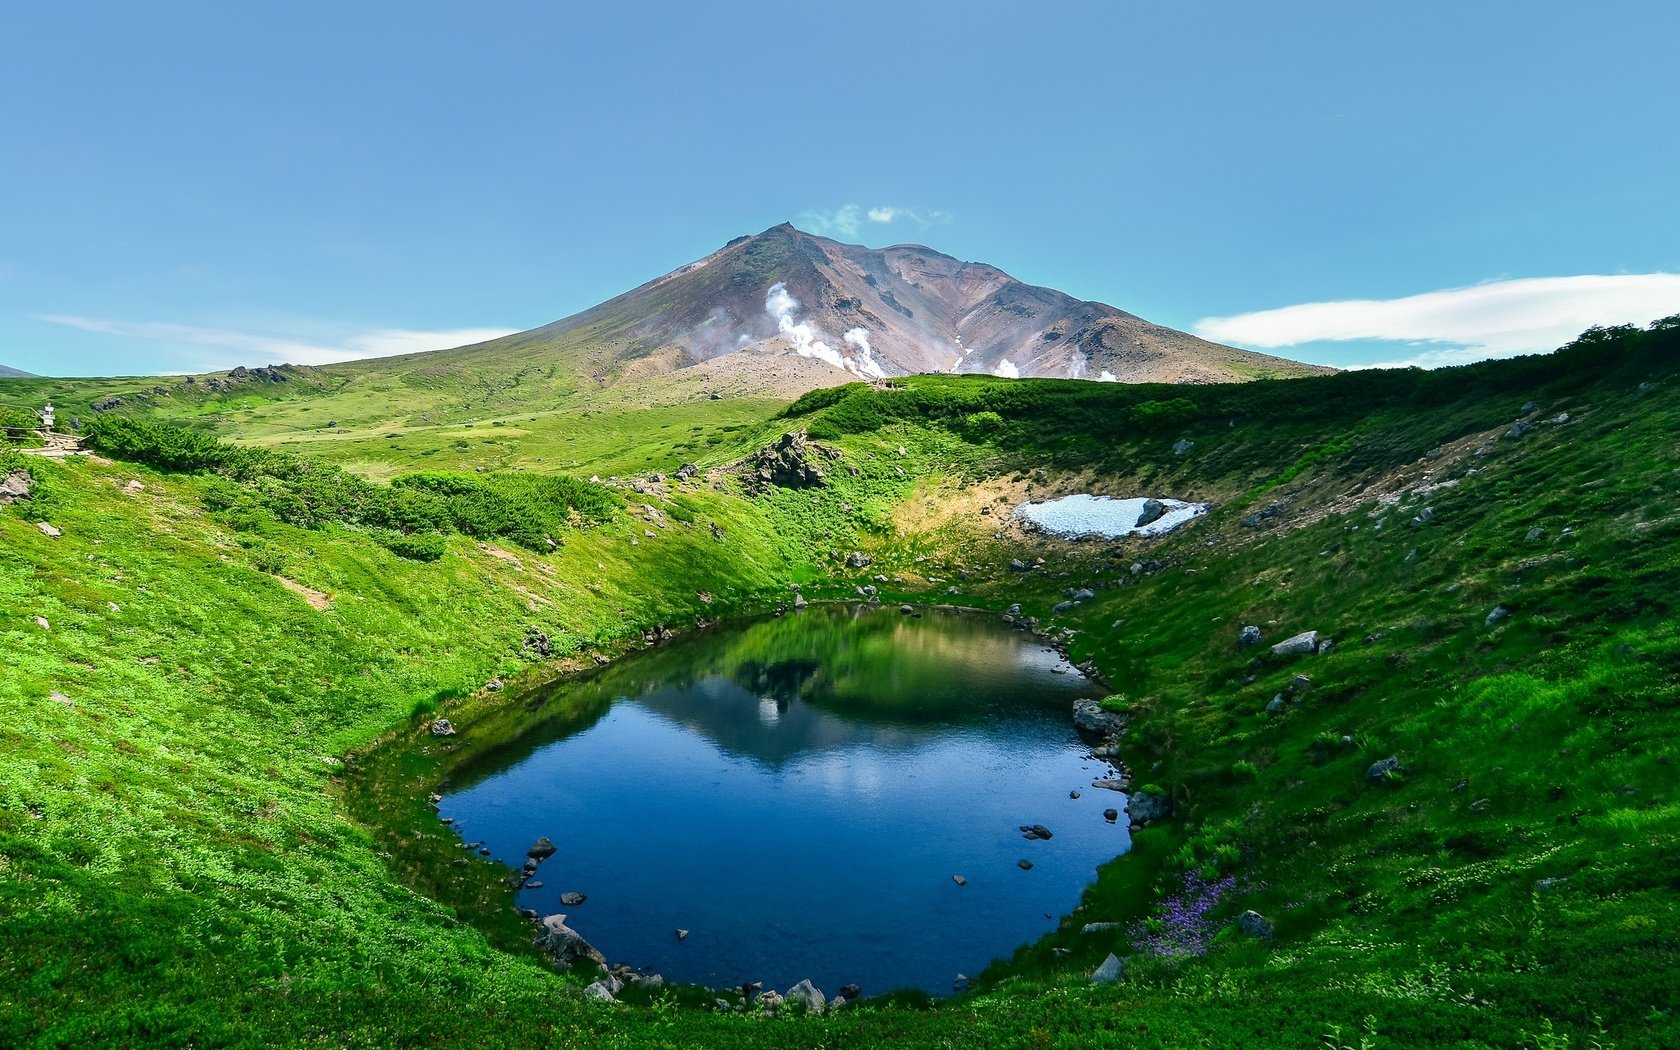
(1560, 419)
(443, 727)
(1111, 815)
(564, 946)
(1481, 805)
(1103, 927)
(808, 996)
(59, 698)
(770, 1001)
(1385, 769)
(537, 643)
(1276, 706)
(1074, 793)
(1304, 644)
(1518, 429)
(959, 880)
(535, 884)
(682, 935)
(49, 530)
(1024, 865)
(851, 992)
(1182, 445)
(1143, 807)
(43, 623)
(542, 850)
(570, 898)
(1301, 683)
(494, 685)
(1110, 970)
(1018, 565)
(1032, 832)
(1153, 510)
(1254, 924)
(1250, 636)
(1499, 613)
(1091, 716)
(960, 984)
(1536, 533)
(857, 560)
(1547, 885)
(15, 486)
(599, 991)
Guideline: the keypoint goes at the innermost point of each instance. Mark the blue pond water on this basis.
(798, 793)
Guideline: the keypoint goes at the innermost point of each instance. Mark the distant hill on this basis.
(16, 373)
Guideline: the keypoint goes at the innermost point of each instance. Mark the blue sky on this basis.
(186, 186)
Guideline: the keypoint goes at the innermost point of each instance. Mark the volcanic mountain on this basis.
(814, 312)
(14, 373)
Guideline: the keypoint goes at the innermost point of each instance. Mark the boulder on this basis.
(851, 992)
(1519, 428)
(1499, 613)
(1385, 769)
(443, 727)
(49, 530)
(1276, 706)
(1254, 924)
(959, 880)
(808, 996)
(857, 560)
(786, 464)
(572, 899)
(1303, 644)
(1090, 716)
(799, 601)
(564, 946)
(1250, 636)
(1153, 509)
(1110, 970)
(770, 1001)
(1142, 807)
(1111, 815)
(15, 486)
(1182, 445)
(542, 850)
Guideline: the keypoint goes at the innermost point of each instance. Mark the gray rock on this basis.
(1276, 706)
(15, 486)
(808, 996)
(1518, 429)
(49, 530)
(599, 992)
(959, 880)
(1060, 607)
(1536, 533)
(850, 992)
(1182, 445)
(1103, 927)
(786, 464)
(1142, 807)
(906, 609)
(1110, 970)
(1250, 636)
(960, 983)
(443, 727)
(1018, 565)
(1084, 594)
(572, 899)
(1499, 613)
(1385, 769)
(1152, 511)
(1546, 885)
(1528, 406)
(858, 560)
(770, 1001)
(1111, 815)
(1024, 865)
(1090, 716)
(682, 935)
(1303, 644)
(542, 850)
(1254, 924)
(1561, 418)
(564, 946)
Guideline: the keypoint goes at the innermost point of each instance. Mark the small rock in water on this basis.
(1074, 793)
(851, 992)
(543, 849)
(1111, 815)
(682, 935)
(534, 885)
(572, 900)
(1024, 865)
(960, 984)
(959, 880)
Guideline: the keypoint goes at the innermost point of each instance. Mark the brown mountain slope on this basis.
(758, 313)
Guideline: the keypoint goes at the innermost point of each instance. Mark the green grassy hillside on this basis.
(200, 841)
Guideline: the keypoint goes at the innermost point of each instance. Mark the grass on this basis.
(180, 860)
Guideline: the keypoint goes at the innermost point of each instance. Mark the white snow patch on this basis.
(1105, 516)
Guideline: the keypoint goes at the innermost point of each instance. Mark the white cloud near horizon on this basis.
(213, 347)
(1458, 325)
(848, 219)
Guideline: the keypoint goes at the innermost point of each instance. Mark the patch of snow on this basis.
(1105, 516)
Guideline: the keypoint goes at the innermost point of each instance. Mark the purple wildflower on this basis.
(1181, 926)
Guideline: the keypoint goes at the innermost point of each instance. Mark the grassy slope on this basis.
(176, 865)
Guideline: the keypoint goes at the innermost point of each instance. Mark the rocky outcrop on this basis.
(1152, 511)
(1110, 970)
(1304, 644)
(1255, 925)
(1090, 716)
(787, 464)
(808, 996)
(15, 486)
(564, 946)
(1143, 807)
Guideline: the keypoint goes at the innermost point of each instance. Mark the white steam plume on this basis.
(780, 305)
(1006, 370)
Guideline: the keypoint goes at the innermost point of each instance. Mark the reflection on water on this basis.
(798, 793)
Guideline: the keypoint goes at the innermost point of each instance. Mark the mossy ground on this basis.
(180, 862)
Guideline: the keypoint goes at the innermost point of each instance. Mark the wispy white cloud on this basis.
(209, 347)
(848, 219)
(1458, 325)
